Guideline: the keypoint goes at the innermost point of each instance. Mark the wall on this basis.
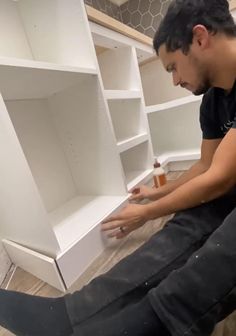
(106, 7)
(144, 15)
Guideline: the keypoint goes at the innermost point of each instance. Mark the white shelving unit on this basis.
(137, 164)
(175, 132)
(61, 171)
(74, 134)
(123, 90)
(122, 94)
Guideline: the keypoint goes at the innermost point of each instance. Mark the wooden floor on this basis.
(21, 281)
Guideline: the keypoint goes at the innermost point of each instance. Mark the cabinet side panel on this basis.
(23, 217)
(12, 36)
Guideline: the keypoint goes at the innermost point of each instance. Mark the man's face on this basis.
(187, 70)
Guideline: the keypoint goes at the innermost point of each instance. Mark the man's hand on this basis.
(132, 217)
(143, 192)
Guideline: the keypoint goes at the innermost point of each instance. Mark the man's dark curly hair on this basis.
(176, 29)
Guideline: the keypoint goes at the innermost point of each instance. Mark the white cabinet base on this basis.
(41, 266)
(66, 268)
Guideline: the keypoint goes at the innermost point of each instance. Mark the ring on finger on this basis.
(122, 229)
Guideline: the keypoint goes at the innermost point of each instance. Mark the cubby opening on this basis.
(46, 31)
(175, 128)
(137, 164)
(118, 69)
(127, 118)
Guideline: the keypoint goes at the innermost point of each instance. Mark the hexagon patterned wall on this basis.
(142, 15)
(106, 7)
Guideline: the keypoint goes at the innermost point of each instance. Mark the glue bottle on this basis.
(159, 175)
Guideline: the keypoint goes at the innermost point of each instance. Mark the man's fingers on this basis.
(111, 225)
(110, 219)
(117, 234)
(135, 190)
(135, 198)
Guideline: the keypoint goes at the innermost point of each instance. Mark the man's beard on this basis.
(202, 89)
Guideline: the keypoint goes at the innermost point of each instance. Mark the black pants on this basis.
(187, 270)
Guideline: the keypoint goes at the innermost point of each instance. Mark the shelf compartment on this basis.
(49, 31)
(50, 134)
(118, 70)
(137, 164)
(35, 80)
(173, 104)
(135, 178)
(74, 219)
(176, 128)
(122, 94)
(132, 142)
(127, 118)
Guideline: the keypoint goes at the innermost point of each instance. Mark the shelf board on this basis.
(132, 142)
(21, 62)
(175, 156)
(77, 217)
(122, 94)
(26, 79)
(173, 104)
(134, 178)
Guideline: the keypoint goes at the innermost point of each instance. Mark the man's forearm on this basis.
(197, 169)
(198, 190)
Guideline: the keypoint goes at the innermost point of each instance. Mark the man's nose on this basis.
(176, 79)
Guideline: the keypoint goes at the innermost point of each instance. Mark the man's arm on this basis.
(208, 149)
(216, 181)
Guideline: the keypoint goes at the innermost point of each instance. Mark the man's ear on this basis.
(201, 36)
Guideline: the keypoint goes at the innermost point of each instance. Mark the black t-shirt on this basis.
(218, 113)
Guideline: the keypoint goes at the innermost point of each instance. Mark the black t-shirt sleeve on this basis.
(209, 126)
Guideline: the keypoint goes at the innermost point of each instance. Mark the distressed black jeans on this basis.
(187, 271)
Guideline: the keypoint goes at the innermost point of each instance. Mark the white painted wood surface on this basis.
(70, 149)
(62, 172)
(122, 94)
(5, 263)
(118, 69)
(39, 265)
(57, 31)
(127, 118)
(176, 128)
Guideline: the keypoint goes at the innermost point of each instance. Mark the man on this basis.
(182, 281)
